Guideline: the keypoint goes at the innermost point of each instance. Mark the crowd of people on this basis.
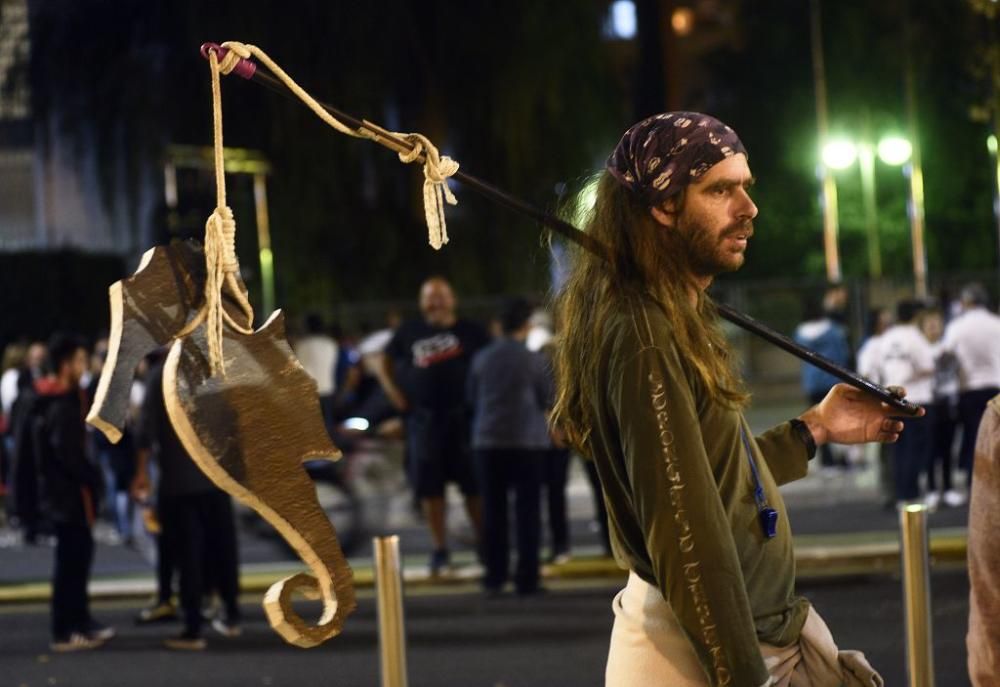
(945, 356)
(59, 476)
(472, 399)
(474, 402)
(476, 412)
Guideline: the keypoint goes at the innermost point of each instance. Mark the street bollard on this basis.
(389, 599)
(917, 595)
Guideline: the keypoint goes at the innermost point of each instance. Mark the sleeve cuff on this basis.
(801, 431)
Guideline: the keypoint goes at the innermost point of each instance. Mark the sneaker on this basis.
(227, 627)
(186, 641)
(77, 641)
(159, 612)
(954, 499)
(440, 562)
(932, 500)
(210, 608)
(559, 558)
(101, 633)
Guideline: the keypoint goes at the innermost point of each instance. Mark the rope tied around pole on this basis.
(437, 168)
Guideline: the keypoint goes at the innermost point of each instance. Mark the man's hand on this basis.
(851, 416)
(139, 489)
(397, 399)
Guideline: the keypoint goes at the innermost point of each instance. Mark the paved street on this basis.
(458, 639)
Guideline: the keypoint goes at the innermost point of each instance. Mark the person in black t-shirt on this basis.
(423, 372)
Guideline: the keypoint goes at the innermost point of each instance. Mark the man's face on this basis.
(932, 327)
(36, 355)
(717, 218)
(437, 302)
(77, 365)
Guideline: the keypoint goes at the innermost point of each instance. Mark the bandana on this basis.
(662, 154)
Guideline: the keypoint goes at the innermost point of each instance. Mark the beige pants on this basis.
(648, 647)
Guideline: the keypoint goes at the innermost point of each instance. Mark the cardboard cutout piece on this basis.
(250, 431)
(148, 309)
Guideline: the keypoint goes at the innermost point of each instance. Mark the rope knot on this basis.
(437, 170)
(227, 227)
(235, 52)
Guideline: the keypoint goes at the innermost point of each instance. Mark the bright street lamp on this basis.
(894, 150)
(839, 153)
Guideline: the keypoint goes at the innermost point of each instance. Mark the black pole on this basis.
(587, 242)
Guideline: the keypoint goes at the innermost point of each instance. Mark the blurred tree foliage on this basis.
(764, 87)
(526, 95)
(519, 92)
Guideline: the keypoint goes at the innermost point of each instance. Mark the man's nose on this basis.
(746, 208)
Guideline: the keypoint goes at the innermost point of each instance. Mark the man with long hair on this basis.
(646, 387)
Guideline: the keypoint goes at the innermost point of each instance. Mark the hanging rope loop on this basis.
(436, 168)
(221, 263)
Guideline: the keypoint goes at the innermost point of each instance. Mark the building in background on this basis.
(50, 193)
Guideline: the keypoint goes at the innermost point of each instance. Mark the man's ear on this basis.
(665, 213)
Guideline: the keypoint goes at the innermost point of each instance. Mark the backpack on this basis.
(26, 477)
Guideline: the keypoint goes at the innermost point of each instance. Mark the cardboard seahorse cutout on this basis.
(248, 430)
(147, 310)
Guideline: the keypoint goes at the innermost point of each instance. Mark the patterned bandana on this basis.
(662, 154)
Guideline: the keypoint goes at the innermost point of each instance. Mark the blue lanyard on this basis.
(767, 515)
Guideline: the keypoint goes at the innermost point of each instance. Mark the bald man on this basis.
(424, 371)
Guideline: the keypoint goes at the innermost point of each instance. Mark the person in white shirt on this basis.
(974, 338)
(318, 352)
(13, 360)
(869, 356)
(869, 359)
(907, 360)
(945, 411)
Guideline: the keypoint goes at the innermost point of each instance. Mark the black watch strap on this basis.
(802, 432)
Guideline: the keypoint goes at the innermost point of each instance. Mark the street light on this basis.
(894, 150)
(841, 153)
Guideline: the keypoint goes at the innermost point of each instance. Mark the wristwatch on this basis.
(802, 432)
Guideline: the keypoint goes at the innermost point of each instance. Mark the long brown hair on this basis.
(642, 260)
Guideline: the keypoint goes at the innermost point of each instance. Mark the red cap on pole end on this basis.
(206, 47)
(244, 67)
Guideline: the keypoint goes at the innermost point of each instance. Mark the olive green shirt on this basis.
(679, 492)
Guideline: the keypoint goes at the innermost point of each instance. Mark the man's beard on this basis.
(706, 254)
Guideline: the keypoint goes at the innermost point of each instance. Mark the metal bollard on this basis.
(389, 599)
(917, 595)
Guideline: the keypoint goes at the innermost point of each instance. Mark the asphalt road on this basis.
(457, 639)
(813, 513)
